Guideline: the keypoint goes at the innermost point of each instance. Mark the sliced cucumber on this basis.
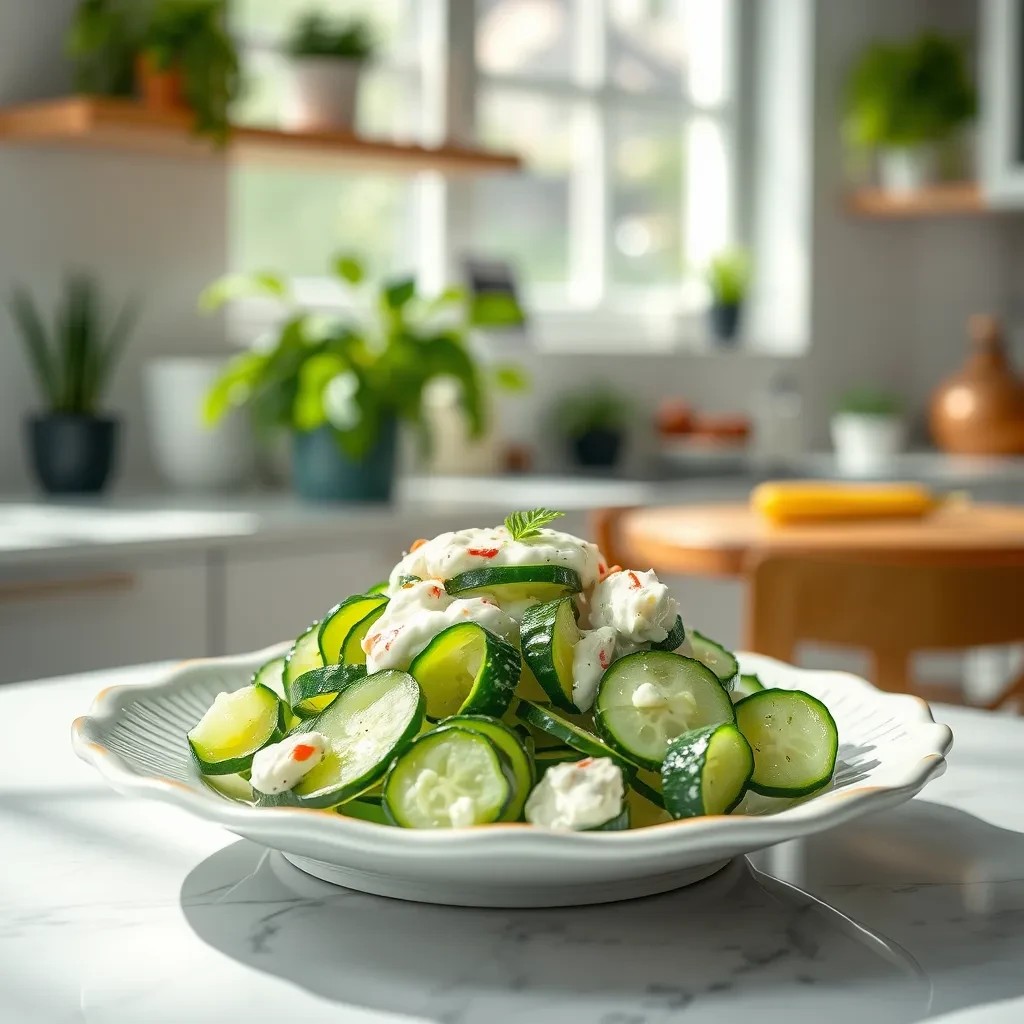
(794, 739)
(706, 771)
(315, 690)
(648, 784)
(379, 588)
(514, 584)
(553, 722)
(302, 658)
(237, 725)
(466, 669)
(449, 778)
(365, 810)
(643, 812)
(676, 635)
(648, 699)
(711, 653)
(352, 652)
(231, 787)
(617, 824)
(549, 635)
(744, 687)
(369, 723)
(271, 674)
(338, 622)
(509, 742)
(545, 759)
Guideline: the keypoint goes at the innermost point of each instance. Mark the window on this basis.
(623, 112)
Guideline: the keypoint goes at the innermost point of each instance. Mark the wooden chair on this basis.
(889, 609)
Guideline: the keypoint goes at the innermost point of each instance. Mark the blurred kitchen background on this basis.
(289, 283)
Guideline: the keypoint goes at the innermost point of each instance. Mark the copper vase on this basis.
(980, 409)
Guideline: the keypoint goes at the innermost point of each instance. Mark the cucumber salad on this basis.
(511, 674)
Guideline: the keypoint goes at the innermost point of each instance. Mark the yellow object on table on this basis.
(809, 501)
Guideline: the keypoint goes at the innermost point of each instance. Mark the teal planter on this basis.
(321, 471)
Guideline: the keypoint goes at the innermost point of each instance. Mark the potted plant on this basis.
(594, 422)
(902, 99)
(72, 445)
(341, 386)
(867, 430)
(187, 60)
(327, 59)
(101, 41)
(728, 276)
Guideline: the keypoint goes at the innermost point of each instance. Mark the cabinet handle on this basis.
(35, 590)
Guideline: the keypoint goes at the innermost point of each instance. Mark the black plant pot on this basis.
(725, 322)
(597, 448)
(72, 454)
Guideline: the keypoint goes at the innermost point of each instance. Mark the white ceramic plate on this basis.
(135, 736)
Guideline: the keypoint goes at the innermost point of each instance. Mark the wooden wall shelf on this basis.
(93, 123)
(950, 199)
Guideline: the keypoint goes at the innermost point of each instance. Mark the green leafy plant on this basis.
(598, 407)
(191, 35)
(868, 401)
(521, 525)
(728, 276)
(316, 35)
(905, 94)
(352, 375)
(101, 41)
(74, 362)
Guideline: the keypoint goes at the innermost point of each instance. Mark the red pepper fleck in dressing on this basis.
(303, 752)
(482, 552)
(634, 582)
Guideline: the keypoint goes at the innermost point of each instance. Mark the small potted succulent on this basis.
(728, 277)
(187, 60)
(904, 98)
(594, 422)
(868, 430)
(327, 58)
(72, 445)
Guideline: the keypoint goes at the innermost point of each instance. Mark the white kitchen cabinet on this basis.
(1001, 81)
(90, 615)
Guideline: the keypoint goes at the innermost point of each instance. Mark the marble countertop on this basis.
(122, 912)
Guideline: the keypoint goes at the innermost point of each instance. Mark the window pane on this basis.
(525, 37)
(525, 217)
(708, 191)
(708, 25)
(647, 49)
(646, 198)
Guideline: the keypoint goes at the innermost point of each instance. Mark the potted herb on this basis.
(188, 60)
(72, 445)
(594, 423)
(327, 58)
(101, 42)
(728, 276)
(902, 99)
(342, 386)
(867, 430)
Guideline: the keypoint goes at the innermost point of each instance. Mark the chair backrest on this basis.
(889, 609)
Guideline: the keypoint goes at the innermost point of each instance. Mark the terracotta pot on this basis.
(980, 410)
(160, 88)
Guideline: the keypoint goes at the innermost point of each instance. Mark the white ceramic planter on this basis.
(189, 454)
(904, 170)
(866, 443)
(322, 94)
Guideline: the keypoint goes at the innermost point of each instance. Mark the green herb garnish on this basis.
(521, 525)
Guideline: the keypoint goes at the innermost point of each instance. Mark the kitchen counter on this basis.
(114, 910)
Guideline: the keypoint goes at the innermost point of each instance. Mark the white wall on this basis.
(140, 224)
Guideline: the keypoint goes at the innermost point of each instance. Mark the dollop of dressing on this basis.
(578, 795)
(637, 605)
(282, 766)
(590, 658)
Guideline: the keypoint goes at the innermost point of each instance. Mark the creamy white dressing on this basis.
(577, 795)
(636, 604)
(593, 654)
(276, 768)
(449, 554)
(417, 613)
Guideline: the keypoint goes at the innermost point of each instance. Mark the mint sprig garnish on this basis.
(521, 525)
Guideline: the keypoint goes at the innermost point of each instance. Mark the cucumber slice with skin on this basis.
(706, 771)
(365, 810)
(467, 669)
(448, 778)
(549, 635)
(647, 699)
(352, 652)
(544, 759)
(315, 690)
(271, 674)
(711, 653)
(370, 722)
(509, 743)
(378, 588)
(794, 739)
(338, 622)
(234, 728)
(552, 721)
(649, 785)
(516, 583)
(744, 687)
(676, 635)
(302, 658)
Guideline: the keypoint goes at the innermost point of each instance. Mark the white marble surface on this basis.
(113, 910)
